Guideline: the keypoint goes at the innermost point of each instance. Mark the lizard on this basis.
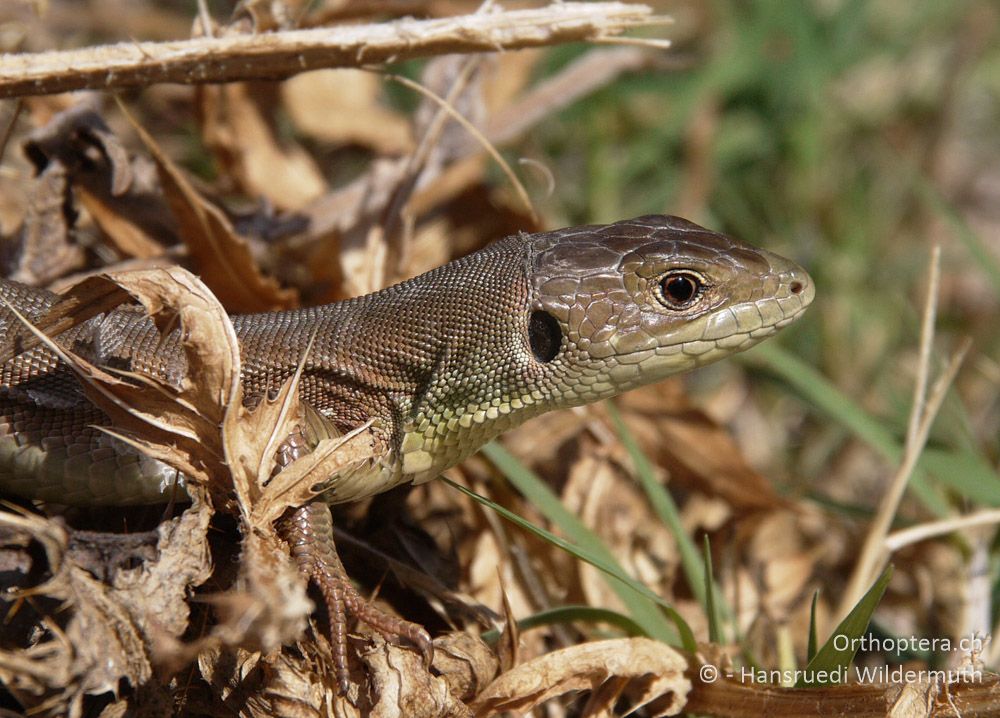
(442, 363)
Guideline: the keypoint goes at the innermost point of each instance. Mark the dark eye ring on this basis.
(680, 289)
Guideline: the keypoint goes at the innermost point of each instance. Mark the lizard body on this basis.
(440, 364)
(443, 362)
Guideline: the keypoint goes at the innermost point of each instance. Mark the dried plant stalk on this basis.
(282, 54)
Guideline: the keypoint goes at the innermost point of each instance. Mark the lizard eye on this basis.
(680, 289)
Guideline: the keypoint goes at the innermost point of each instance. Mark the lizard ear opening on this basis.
(544, 336)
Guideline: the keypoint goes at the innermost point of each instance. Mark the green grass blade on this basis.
(830, 400)
(964, 470)
(663, 505)
(981, 255)
(832, 660)
(714, 622)
(813, 630)
(645, 607)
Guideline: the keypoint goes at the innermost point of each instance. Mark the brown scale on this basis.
(549, 320)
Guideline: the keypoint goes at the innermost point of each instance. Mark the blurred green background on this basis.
(852, 136)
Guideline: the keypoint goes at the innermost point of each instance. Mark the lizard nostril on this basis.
(797, 287)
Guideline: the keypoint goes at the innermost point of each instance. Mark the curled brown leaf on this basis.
(223, 257)
(650, 672)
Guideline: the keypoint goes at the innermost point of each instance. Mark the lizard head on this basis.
(618, 306)
(564, 318)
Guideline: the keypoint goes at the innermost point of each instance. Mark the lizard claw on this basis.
(309, 532)
(392, 628)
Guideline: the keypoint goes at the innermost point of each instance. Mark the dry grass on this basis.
(853, 137)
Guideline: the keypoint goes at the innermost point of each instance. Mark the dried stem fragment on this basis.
(282, 54)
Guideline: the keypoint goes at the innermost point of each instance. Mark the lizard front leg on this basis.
(309, 532)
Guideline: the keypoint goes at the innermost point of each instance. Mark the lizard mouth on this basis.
(738, 327)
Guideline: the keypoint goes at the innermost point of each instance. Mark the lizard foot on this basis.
(309, 532)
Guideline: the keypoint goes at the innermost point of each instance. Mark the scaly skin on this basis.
(442, 363)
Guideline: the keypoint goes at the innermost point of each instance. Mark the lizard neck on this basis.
(442, 360)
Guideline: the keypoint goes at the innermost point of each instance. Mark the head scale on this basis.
(569, 317)
(618, 306)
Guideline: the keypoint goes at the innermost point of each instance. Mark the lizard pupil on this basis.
(679, 289)
(544, 336)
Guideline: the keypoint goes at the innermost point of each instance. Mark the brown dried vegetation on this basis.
(204, 614)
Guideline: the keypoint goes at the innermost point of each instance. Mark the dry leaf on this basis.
(303, 682)
(268, 607)
(121, 196)
(337, 465)
(181, 426)
(87, 299)
(615, 507)
(649, 672)
(363, 261)
(223, 257)
(106, 639)
(125, 233)
(343, 107)
(42, 250)
(208, 339)
(177, 425)
(510, 638)
(694, 448)
(465, 663)
(783, 560)
(238, 135)
(252, 440)
(79, 139)
(283, 685)
(403, 686)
